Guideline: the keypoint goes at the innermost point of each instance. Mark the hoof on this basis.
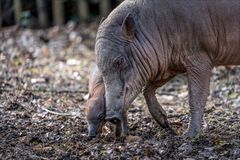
(190, 134)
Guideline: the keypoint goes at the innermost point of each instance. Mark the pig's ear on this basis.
(128, 27)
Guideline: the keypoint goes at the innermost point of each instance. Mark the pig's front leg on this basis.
(121, 129)
(156, 110)
(199, 72)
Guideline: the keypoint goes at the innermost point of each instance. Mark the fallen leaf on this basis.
(131, 138)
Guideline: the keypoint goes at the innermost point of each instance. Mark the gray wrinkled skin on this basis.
(144, 43)
(95, 108)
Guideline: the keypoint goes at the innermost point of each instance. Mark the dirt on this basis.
(43, 88)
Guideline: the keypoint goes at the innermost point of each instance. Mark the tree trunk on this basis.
(105, 7)
(17, 10)
(83, 9)
(42, 13)
(1, 15)
(58, 12)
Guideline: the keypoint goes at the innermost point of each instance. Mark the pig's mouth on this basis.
(116, 117)
(113, 119)
(116, 113)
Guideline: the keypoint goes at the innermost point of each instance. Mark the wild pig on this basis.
(144, 43)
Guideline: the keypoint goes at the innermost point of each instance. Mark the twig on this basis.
(38, 157)
(43, 91)
(87, 149)
(56, 113)
(167, 94)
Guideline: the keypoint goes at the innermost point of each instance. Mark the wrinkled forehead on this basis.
(109, 44)
(108, 39)
(105, 45)
(106, 51)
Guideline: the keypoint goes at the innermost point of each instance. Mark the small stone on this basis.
(185, 147)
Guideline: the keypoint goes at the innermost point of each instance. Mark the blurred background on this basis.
(47, 49)
(46, 33)
(45, 13)
(46, 54)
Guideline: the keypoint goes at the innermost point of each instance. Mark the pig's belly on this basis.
(230, 56)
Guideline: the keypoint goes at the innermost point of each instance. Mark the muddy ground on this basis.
(43, 88)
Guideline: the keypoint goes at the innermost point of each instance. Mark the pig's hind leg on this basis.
(199, 72)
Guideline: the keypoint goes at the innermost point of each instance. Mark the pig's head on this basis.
(119, 64)
(95, 112)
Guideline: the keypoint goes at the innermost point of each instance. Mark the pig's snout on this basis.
(113, 118)
(92, 131)
(92, 134)
(114, 111)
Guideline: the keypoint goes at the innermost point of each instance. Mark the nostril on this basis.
(113, 120)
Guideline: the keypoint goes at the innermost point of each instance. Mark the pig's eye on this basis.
(120, 62)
